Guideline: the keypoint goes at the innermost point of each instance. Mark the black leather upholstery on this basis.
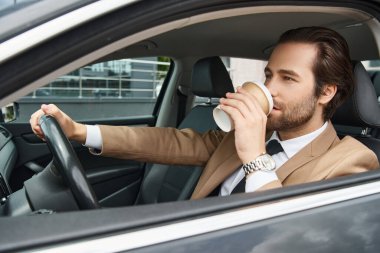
(376, 83)
(362, 108)
(210, 78)
(171, 183)
(360, 111)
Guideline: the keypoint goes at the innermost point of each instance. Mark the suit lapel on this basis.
(311, 151)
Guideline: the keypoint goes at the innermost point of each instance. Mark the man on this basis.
(308, 75)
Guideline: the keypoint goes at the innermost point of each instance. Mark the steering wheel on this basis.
(68, 164)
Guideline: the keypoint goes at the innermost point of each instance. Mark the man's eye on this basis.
(267, 79)
(288, 78)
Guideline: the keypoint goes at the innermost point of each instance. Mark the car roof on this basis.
(252, 32)
(19, 16)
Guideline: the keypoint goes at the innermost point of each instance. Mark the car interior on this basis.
(354, 112)
(57, 195)
(195, 47)
(162, 183)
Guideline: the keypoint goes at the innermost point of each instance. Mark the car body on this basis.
(46, 43)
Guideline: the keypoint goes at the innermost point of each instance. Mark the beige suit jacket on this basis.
(325, 157)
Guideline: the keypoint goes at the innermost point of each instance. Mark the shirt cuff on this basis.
(94, 139)
(258, 179)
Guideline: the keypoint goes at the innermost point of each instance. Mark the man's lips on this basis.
(276, 106)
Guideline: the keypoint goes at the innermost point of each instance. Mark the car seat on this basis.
(376, 84)
(164, 183)
(359, 116)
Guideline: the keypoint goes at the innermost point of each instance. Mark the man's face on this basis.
(290, 80)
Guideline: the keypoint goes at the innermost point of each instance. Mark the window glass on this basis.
(104, 90)
(241, 70)
(372, 64)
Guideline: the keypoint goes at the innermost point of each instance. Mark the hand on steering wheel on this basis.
(68, 163)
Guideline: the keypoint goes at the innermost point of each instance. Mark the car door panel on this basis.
(116, 185)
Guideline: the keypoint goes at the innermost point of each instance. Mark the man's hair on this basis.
(332, 64)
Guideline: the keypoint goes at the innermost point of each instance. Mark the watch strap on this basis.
(263, 162)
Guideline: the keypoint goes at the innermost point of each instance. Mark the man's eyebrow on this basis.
(288, 72)
(283, 71)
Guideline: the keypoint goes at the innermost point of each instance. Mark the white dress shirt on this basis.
(94, 138)
(256, 180)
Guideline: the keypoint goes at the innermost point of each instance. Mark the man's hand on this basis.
(72, 129)
(250, 123)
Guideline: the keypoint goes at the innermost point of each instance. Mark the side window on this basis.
(242, 70)
(103, 90)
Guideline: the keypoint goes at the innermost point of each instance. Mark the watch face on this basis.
(268, 163)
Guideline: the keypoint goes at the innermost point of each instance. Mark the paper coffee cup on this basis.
(261, 93)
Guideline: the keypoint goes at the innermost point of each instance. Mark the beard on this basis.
(293, 114)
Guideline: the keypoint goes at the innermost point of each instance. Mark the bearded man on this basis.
(309, 74)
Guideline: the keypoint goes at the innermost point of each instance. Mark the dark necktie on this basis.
(273, 147)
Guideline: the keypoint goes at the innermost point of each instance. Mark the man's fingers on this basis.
(34, 123)
(244, 99)
(249, 99)
(248, 105)
(52, 110)
(68, 126)
(35, 126)
(238, 104)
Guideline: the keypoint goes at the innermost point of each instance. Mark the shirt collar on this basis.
(292, 146)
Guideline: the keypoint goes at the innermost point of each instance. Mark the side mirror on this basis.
(9, 112)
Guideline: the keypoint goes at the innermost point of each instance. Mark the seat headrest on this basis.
(210, 78)
(376, 82)
(361, 109)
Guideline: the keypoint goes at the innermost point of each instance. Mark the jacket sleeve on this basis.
(159, 145)
(354, 162)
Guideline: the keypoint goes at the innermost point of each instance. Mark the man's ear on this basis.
(328, 92)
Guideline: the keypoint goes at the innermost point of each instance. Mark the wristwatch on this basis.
(263, 162)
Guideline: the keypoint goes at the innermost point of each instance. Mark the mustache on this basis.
(278, 105)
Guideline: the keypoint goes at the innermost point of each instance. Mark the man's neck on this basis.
(300, 130)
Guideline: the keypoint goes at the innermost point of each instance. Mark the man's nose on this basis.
(272, 87)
